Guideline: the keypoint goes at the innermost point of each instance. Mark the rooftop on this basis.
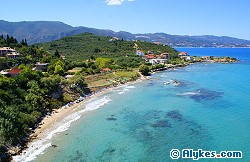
(39, 63)
(6, 48)
(14, 71)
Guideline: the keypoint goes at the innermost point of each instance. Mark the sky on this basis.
(178, 17)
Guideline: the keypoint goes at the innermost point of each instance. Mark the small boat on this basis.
(166, 83)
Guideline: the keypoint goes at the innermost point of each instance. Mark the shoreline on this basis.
(61, 113)
(45, 127)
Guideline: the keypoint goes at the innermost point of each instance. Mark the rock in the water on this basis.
(111, 119)
(175, 114)
(161, 124)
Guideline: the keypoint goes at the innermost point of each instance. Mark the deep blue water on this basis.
(142, 122)
(240, 53)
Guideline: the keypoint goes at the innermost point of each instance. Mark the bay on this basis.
(209, 110)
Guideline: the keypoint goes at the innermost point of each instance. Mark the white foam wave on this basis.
(130, 87)
(126, 88)
(35, 149)
(123, 91)
(39, 146)
(190, 93)
(96, 104)
(67, 121)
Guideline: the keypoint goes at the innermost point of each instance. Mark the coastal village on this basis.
(149, 57)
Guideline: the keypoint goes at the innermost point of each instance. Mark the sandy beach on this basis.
(61, 113)
(46, 126)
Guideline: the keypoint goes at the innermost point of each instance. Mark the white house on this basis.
(5, 50)
(139, 53)
(157, 61)
(41, 66)
(165, 55)
(13, 55)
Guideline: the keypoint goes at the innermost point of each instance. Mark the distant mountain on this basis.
(35, 31)
(45, 31)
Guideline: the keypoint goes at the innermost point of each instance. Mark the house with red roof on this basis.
(157, 59)
(183, 54)
(150, 56)
(14, 72)
(105, 70)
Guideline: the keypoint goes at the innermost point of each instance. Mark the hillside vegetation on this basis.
(83, 46)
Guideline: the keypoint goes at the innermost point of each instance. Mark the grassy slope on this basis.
(103, 80)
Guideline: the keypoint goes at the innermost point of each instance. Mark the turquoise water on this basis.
(142, 122)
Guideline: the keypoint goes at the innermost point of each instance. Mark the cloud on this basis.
(116, 2)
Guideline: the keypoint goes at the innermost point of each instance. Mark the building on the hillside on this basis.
(13, 55)
(157, 61)
(183, 54)
(139, 53)
(165, 55)
(187, 58)
(150, 52)
(5, 50)
(113, 39)
(105, 70)
(41, 66)
(14, 72)
(3, 72)
(207, 58)
(150, 56)
(63, 57)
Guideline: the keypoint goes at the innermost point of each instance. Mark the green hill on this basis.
(83, 46)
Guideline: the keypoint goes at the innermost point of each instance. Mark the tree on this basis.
(103, 62)
(24, 42)
(144, 70)
(59, 70)
(35, 95)
(92, 57)
(57, 54)
(97, 50)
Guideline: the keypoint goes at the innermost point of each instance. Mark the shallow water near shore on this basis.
(209, 110)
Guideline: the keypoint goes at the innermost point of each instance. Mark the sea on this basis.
(145, 121)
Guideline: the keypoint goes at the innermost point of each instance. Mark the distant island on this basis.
(46, 31)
